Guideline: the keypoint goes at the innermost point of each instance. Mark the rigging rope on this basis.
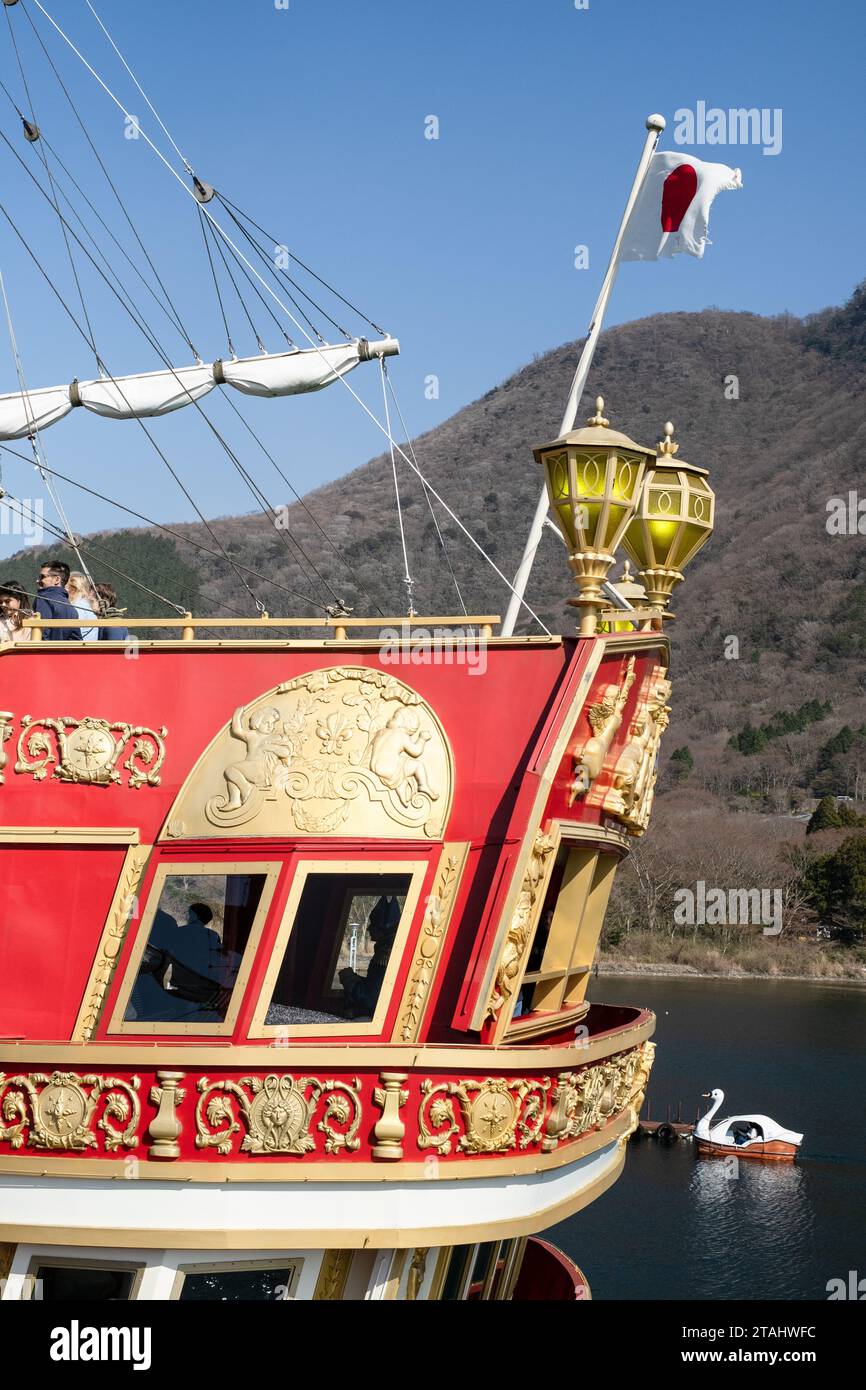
(44, 157)
(346, 384)
(160, 526)
(426, 493)
(232, 207)
(258, 495)
(174, 313)
(216, 283)
(138, 419)
(91, 550)
(135, 314)
(407, 578)
(35, 442)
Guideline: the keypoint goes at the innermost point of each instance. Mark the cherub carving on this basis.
(267, 747)
(635, 769)
(396, 756)
(605, 718)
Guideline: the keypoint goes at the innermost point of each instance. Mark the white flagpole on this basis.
(655, 125)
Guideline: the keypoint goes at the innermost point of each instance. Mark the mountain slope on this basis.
(792, 595)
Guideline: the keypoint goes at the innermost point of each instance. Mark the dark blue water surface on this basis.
(679, 1227)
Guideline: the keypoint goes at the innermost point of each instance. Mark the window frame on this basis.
(596, 859)
(295, 1265)
(271, 870)
(303, 869)
(36, 1262)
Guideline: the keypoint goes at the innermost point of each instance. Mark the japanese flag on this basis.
(672, 211)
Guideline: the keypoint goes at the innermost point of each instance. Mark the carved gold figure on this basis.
(519, 931)
(347, 749)
(605, 718)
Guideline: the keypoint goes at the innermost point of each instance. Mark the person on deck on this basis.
(52, 601)
(14, 605)
(82, 596)
(107, 595)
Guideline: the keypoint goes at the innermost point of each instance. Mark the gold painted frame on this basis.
(416, 868)
(271, 869)
(587, 884)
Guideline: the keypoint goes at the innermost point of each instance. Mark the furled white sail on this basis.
(146, 394)
(23, 412)
(290, 373)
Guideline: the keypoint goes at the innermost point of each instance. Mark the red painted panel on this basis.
(489, 718)
(53, 903)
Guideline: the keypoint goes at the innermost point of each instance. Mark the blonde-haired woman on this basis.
(83, 598)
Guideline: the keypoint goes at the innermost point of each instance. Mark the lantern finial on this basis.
(598, 418)
(667, 445)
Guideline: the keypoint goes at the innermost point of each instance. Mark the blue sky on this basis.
(312, 118)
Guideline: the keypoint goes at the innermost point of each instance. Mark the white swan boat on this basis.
(747, 1136)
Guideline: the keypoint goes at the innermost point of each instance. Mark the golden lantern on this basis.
(674, 518)
(594, 477)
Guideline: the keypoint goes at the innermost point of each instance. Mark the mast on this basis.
(655, 125)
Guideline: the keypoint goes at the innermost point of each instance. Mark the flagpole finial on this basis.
(655, 122)
(667, 445)
(598, 417)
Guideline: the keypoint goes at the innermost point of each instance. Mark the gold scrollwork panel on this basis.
(346, 750)
(59, 1111)
(278, 1113)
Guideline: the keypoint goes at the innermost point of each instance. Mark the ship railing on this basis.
(338, 627)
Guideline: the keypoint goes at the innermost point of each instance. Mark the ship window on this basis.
(569, 923)
(195, 948)
(271, 1282)
(63, 1283)
(338, 950)
(338, 946)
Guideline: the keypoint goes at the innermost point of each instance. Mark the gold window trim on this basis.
(271, 870)
(417, 868)
(293, 1263)
(578, 917)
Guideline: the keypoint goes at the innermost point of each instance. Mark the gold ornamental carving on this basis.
(6, 717)
(490, 1116)
(605, 718)
(333, 1274)
(588, 1099)
(165, 1128)
(429, 948)
(278, 1113)
(59, 1111)
(87, 751)
(417, 1270)
(390, 1131)
(630, 795)
(119, 916)
(348, 750)
(521, 926)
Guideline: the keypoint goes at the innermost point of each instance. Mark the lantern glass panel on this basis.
(591, 474)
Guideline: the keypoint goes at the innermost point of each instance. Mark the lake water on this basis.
(678, 1227)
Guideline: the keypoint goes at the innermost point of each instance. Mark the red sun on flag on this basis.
(678, 191)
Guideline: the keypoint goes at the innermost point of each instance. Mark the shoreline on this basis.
(648, 970)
